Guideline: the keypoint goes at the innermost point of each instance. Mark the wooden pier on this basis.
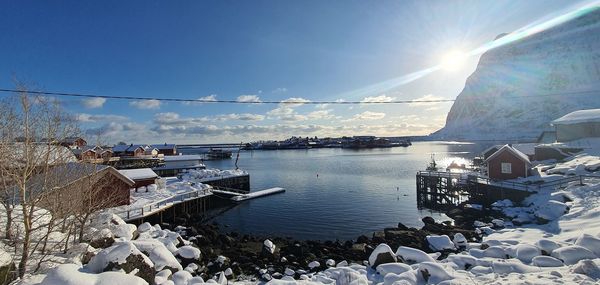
(443, 190)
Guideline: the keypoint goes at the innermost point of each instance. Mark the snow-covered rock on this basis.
(397, 268)
(314, 264)
(71, 274)
(433, 273)
(269, 246)
(440, 243)
(381, 254)
(546, 261)
(547, 246)
(572, 254)
(181, 277)
(590, 242)
(413, 255)
(158, 254)
(587, 267)
(526, 252)
(551, 210)
(189, 252)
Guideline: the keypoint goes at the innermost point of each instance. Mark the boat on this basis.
(214, 154)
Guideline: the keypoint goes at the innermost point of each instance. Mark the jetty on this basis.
(442, 190)
(261, 193)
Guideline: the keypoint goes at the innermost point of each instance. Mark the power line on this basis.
(81, 95)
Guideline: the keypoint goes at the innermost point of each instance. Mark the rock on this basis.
(546, 261)
(378, 237)
(330, 262)
(428, 220)
(546, 246)
(587, 267)
(268, 248)
(590, 242)
(572, 254)
(126, 257)
(382, 254)
(413, 255)
(359, 247)
(145, 227)
(433, 272)
(402, 227)
(460, 241)
(526, 252)
(362, 239)
(440, 243)
(181, 277)
(102, 239)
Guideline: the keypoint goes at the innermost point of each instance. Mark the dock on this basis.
(261, 193)
(442, 190)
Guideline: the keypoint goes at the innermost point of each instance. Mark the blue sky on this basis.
(250, 50)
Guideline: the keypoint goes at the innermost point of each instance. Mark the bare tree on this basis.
(36, 125)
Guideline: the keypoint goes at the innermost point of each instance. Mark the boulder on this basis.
(381, 254)
(7, 268)
(123, 256)
(572, 254)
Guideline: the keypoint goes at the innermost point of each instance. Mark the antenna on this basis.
(237, 157)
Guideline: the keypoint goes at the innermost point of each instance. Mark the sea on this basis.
(333, 193)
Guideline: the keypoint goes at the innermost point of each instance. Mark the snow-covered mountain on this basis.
(517, 89)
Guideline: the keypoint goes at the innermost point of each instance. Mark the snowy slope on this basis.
(518, 89)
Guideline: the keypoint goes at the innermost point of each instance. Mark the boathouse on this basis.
(76, 185)
(507, 163)
(140, 176)
(578, 125)
(166, 149)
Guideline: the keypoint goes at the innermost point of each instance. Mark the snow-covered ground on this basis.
(204, 175)
(558, 243)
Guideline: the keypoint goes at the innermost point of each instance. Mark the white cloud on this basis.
(92, 103)
(248, 98)
(378, 99)
(428, 97)
(295, 101)
(366, 116)
(89, 118)
(202, 100)
(285, 113)
(241, 117)
(320, 115)
(321, 106)
(146, 104)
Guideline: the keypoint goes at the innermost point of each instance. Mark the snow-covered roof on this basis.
(164, 146)
(511, 149)
(139, 173)
(185, 157)
(581, 116)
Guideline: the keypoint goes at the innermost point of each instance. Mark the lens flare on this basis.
(454, 61)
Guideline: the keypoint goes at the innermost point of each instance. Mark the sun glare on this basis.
(453, 60)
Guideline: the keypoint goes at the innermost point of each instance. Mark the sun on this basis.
(453, 60)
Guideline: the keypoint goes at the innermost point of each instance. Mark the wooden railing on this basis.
(533, 186)
(157, 205)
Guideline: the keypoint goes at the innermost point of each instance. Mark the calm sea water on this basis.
(335, 193)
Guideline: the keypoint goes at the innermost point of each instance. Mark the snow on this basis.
(158, 254)
(314, 264)
(546, 261)
(71, 274)
(181, 277)
(380, 249)
(580, 116)
(203, 175)
(189, 252)
(138, 173)
(572, 254)
(117, 253)
(440, 243)
(397, 268)
(269, 245)
(5, 258)
(413, 255)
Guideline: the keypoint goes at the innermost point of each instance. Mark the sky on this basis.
(252, 51)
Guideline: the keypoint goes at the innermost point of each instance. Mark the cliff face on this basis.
(517, 89)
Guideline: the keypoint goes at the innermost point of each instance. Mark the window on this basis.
(506, 167)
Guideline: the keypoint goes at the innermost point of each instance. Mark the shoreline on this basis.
(250, 259)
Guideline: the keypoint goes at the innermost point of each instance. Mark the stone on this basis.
(382, 254)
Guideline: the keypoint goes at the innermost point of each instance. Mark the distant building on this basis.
(129, 150)
(507, 163)
(141, 176)
(175, 164)
(166, 149)
(92, 152)
(73, 142)
(577, 125)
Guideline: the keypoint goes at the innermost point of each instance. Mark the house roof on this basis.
(126, 148)
(63, 175)
(581, 116)
(139, 173)
(164, 146)
(512, 150)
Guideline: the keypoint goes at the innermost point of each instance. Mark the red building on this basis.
(507, 163)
